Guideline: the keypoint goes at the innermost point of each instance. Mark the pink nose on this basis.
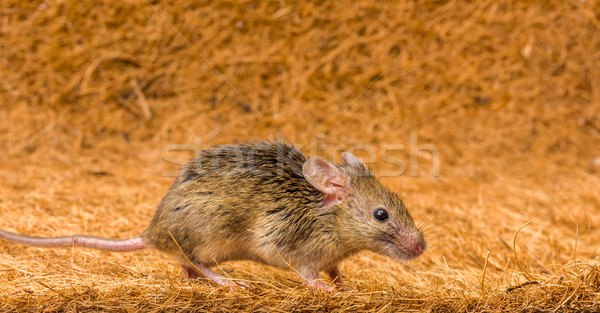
(419, 249)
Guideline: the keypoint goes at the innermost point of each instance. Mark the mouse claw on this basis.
(235, 285)
(343, 287)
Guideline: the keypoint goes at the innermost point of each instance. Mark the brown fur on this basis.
(252, 202)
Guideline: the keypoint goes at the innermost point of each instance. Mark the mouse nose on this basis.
(420, 246)
(419, 249)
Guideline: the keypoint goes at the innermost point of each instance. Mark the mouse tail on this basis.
(78, 241)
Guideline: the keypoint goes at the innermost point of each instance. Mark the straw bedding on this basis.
(96, 97)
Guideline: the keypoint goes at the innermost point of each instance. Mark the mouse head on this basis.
(370, 216)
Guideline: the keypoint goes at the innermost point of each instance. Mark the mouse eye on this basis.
(381, 214)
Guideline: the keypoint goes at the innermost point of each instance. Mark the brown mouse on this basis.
(268, 203)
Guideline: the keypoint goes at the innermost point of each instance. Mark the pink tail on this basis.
(78, 241)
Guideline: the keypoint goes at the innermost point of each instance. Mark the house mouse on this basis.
(267, 202)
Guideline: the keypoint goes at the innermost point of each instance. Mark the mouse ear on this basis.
(326, 178)
(353, 161)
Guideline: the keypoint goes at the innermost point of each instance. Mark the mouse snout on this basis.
(412, 245)
(419, 244)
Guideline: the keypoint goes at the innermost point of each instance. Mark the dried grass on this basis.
(91, 93)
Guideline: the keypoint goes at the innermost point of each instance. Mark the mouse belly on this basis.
(224, 251)
(208, 248)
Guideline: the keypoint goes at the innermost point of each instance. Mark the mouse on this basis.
(267, 202)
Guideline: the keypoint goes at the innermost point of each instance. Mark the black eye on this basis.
(381, 215)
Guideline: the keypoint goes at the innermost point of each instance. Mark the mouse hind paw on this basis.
(191, 273)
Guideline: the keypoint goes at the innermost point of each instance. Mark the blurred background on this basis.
(98, 98)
